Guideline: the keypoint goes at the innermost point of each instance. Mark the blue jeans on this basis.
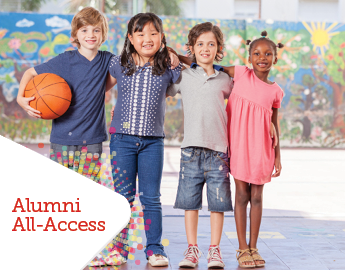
(142, 155)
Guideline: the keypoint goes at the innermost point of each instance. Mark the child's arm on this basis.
(273, 133)
(112, 112)
(277, 164)
(23, 101)
(230, 71)
(183, 59)
(111, 81)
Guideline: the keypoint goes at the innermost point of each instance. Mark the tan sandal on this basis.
(257, 257)
(243, 259)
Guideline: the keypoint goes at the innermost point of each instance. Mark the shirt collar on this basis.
(216, 67)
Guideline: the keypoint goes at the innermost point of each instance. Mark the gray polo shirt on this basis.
(203, 96)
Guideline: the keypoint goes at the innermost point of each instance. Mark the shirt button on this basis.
(137, 144)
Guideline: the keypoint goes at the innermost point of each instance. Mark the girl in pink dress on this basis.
(252, 105)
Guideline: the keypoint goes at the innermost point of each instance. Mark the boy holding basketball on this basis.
(85, 70)
(83, 127)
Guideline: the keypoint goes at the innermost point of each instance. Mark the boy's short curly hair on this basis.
(88, 16)
(200, 29)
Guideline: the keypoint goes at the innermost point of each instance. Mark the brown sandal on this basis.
(242, 259)
(257, 257)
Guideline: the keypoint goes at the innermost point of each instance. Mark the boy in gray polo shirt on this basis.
(204, 158)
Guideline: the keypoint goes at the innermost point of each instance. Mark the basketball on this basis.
(53, 95)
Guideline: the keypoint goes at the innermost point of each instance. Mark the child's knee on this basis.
(256, 199)
(242, 197)
(150, 201)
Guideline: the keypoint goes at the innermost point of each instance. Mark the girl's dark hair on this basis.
(200, 29)
(264, 37)
(161, 58)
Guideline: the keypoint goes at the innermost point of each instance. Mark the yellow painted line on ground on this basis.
(262, 235)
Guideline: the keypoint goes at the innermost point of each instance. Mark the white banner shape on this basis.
(89, 217)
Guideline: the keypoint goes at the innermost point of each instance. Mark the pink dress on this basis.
(249, 116)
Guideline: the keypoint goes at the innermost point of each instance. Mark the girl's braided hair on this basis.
(161, 58)
(264, 37)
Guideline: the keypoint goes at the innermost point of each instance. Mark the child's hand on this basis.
(274, 136)
(24, 103)
(173, 60)
(112, 113)
(277, 166)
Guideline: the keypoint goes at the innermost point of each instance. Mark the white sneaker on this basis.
(158, 260)
(191, 259)
(214, 258)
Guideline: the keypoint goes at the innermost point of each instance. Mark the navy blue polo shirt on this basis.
(84, 121)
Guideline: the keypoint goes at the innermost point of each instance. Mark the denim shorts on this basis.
(198, 166)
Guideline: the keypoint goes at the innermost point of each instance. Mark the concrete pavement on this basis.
(303, 225)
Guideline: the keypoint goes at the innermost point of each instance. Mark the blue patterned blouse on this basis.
(140, 106)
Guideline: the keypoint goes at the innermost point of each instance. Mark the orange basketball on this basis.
(53, 95)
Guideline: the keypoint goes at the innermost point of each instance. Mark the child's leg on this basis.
(189, 198)
(219, 200)
(91, 154)
(150, 169)
(217, 221)
(60, 153)
(71, 156)
(242, 197)
(189, 192)
(255, 215)
(191, 218)
(124, 169)
(218, 191)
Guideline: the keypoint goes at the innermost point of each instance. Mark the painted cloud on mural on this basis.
(57, 22)
(24, 23)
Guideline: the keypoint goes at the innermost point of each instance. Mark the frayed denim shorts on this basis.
(197, 167)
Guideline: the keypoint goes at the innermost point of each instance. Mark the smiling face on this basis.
(262, 56)
(205, 48)
(148, 41)
(89, 37)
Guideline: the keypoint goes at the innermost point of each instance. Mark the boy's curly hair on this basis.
(264, 37)
(200, 29)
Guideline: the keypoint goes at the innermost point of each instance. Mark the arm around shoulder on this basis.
(230, 71)
(185, 60)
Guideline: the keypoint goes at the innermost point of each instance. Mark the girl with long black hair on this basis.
(143, 73)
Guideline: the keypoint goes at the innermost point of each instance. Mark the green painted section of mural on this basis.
(310, 69)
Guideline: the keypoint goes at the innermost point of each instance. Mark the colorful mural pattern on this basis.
(310, 69)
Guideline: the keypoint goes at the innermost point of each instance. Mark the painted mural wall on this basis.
(310, 69)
